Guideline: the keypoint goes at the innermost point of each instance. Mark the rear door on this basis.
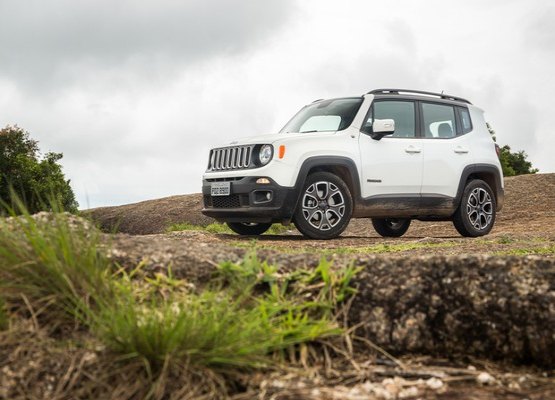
(446, 146)
(392, 166)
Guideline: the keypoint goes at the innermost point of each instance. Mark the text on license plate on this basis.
(220, 188)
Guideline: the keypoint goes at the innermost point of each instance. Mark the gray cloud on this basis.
(134, 95)
(52, 42)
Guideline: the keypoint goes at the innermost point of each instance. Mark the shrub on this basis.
(33, 178)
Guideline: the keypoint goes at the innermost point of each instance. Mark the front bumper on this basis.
(248, 201)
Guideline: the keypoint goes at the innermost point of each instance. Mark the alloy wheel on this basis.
(479, 208)
(323, 205)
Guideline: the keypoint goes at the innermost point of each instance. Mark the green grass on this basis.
(53, 263)
(547, 250)
(55, 268)
(216, 227)
(374, 249)
(247, 314)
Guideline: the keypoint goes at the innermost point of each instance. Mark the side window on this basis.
(439, 120)
(402, 112)
(466, 122)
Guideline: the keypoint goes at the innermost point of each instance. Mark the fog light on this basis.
(262, 196)
(263, 181)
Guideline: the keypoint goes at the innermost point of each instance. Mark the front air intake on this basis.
(230, 158)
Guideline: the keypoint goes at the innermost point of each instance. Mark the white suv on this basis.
(391, 155)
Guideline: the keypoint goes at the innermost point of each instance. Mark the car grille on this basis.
(230, 158)
(232, 201)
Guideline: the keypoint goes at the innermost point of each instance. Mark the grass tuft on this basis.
(52, 261)
(54, 267)
(249, 313)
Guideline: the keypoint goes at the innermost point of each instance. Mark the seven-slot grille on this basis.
(228, 158)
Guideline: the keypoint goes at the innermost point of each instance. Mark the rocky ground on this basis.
(462, 318)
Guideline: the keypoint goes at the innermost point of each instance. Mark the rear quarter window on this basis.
(466, 122)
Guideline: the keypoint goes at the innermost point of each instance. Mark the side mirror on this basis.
(382, 127)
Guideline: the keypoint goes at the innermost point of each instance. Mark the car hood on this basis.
(273, 138)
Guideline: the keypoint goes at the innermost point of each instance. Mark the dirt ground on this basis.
(529, 211)
(519, 253)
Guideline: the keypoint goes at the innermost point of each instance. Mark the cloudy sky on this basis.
(134, 93)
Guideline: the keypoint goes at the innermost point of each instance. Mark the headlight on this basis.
(265, 154)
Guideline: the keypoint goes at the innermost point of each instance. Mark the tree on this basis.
(513, 163)
(36, 180)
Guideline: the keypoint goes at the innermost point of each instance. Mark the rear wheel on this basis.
(325, 206)
(246, 228)
(476, 213)
(391, 227)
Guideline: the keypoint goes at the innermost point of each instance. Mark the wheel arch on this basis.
(489, 174)
(344, 167)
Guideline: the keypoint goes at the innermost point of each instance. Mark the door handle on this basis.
(412, 150)
(460, 150)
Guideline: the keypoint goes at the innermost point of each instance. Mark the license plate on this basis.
(220, 189)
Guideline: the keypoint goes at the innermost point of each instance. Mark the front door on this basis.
(392, 166)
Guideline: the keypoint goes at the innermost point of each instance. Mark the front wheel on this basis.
(325, 206)
(391, 227)
(476, 213)
(250, 229)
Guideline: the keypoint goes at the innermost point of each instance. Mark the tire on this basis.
(476, 213)
(248, 229)
(391, 227)
(325, 206)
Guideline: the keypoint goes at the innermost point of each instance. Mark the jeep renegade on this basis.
(391, 155)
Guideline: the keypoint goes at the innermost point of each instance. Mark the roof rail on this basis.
(397, 91)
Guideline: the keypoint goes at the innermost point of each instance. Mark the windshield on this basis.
(324, 115)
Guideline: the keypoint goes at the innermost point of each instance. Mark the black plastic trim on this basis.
(426, 206)
(285, 199)
(278, 209)
(498, 190)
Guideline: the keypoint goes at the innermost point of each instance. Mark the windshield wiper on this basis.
(308, 131)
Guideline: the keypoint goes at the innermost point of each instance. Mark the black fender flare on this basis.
(488, 169)
(324, 163)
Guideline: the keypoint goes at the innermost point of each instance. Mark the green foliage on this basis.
(33, 178)
(513, 163)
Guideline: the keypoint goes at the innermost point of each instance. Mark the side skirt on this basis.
(425, 206)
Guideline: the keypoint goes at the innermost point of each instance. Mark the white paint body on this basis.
(390, 166)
